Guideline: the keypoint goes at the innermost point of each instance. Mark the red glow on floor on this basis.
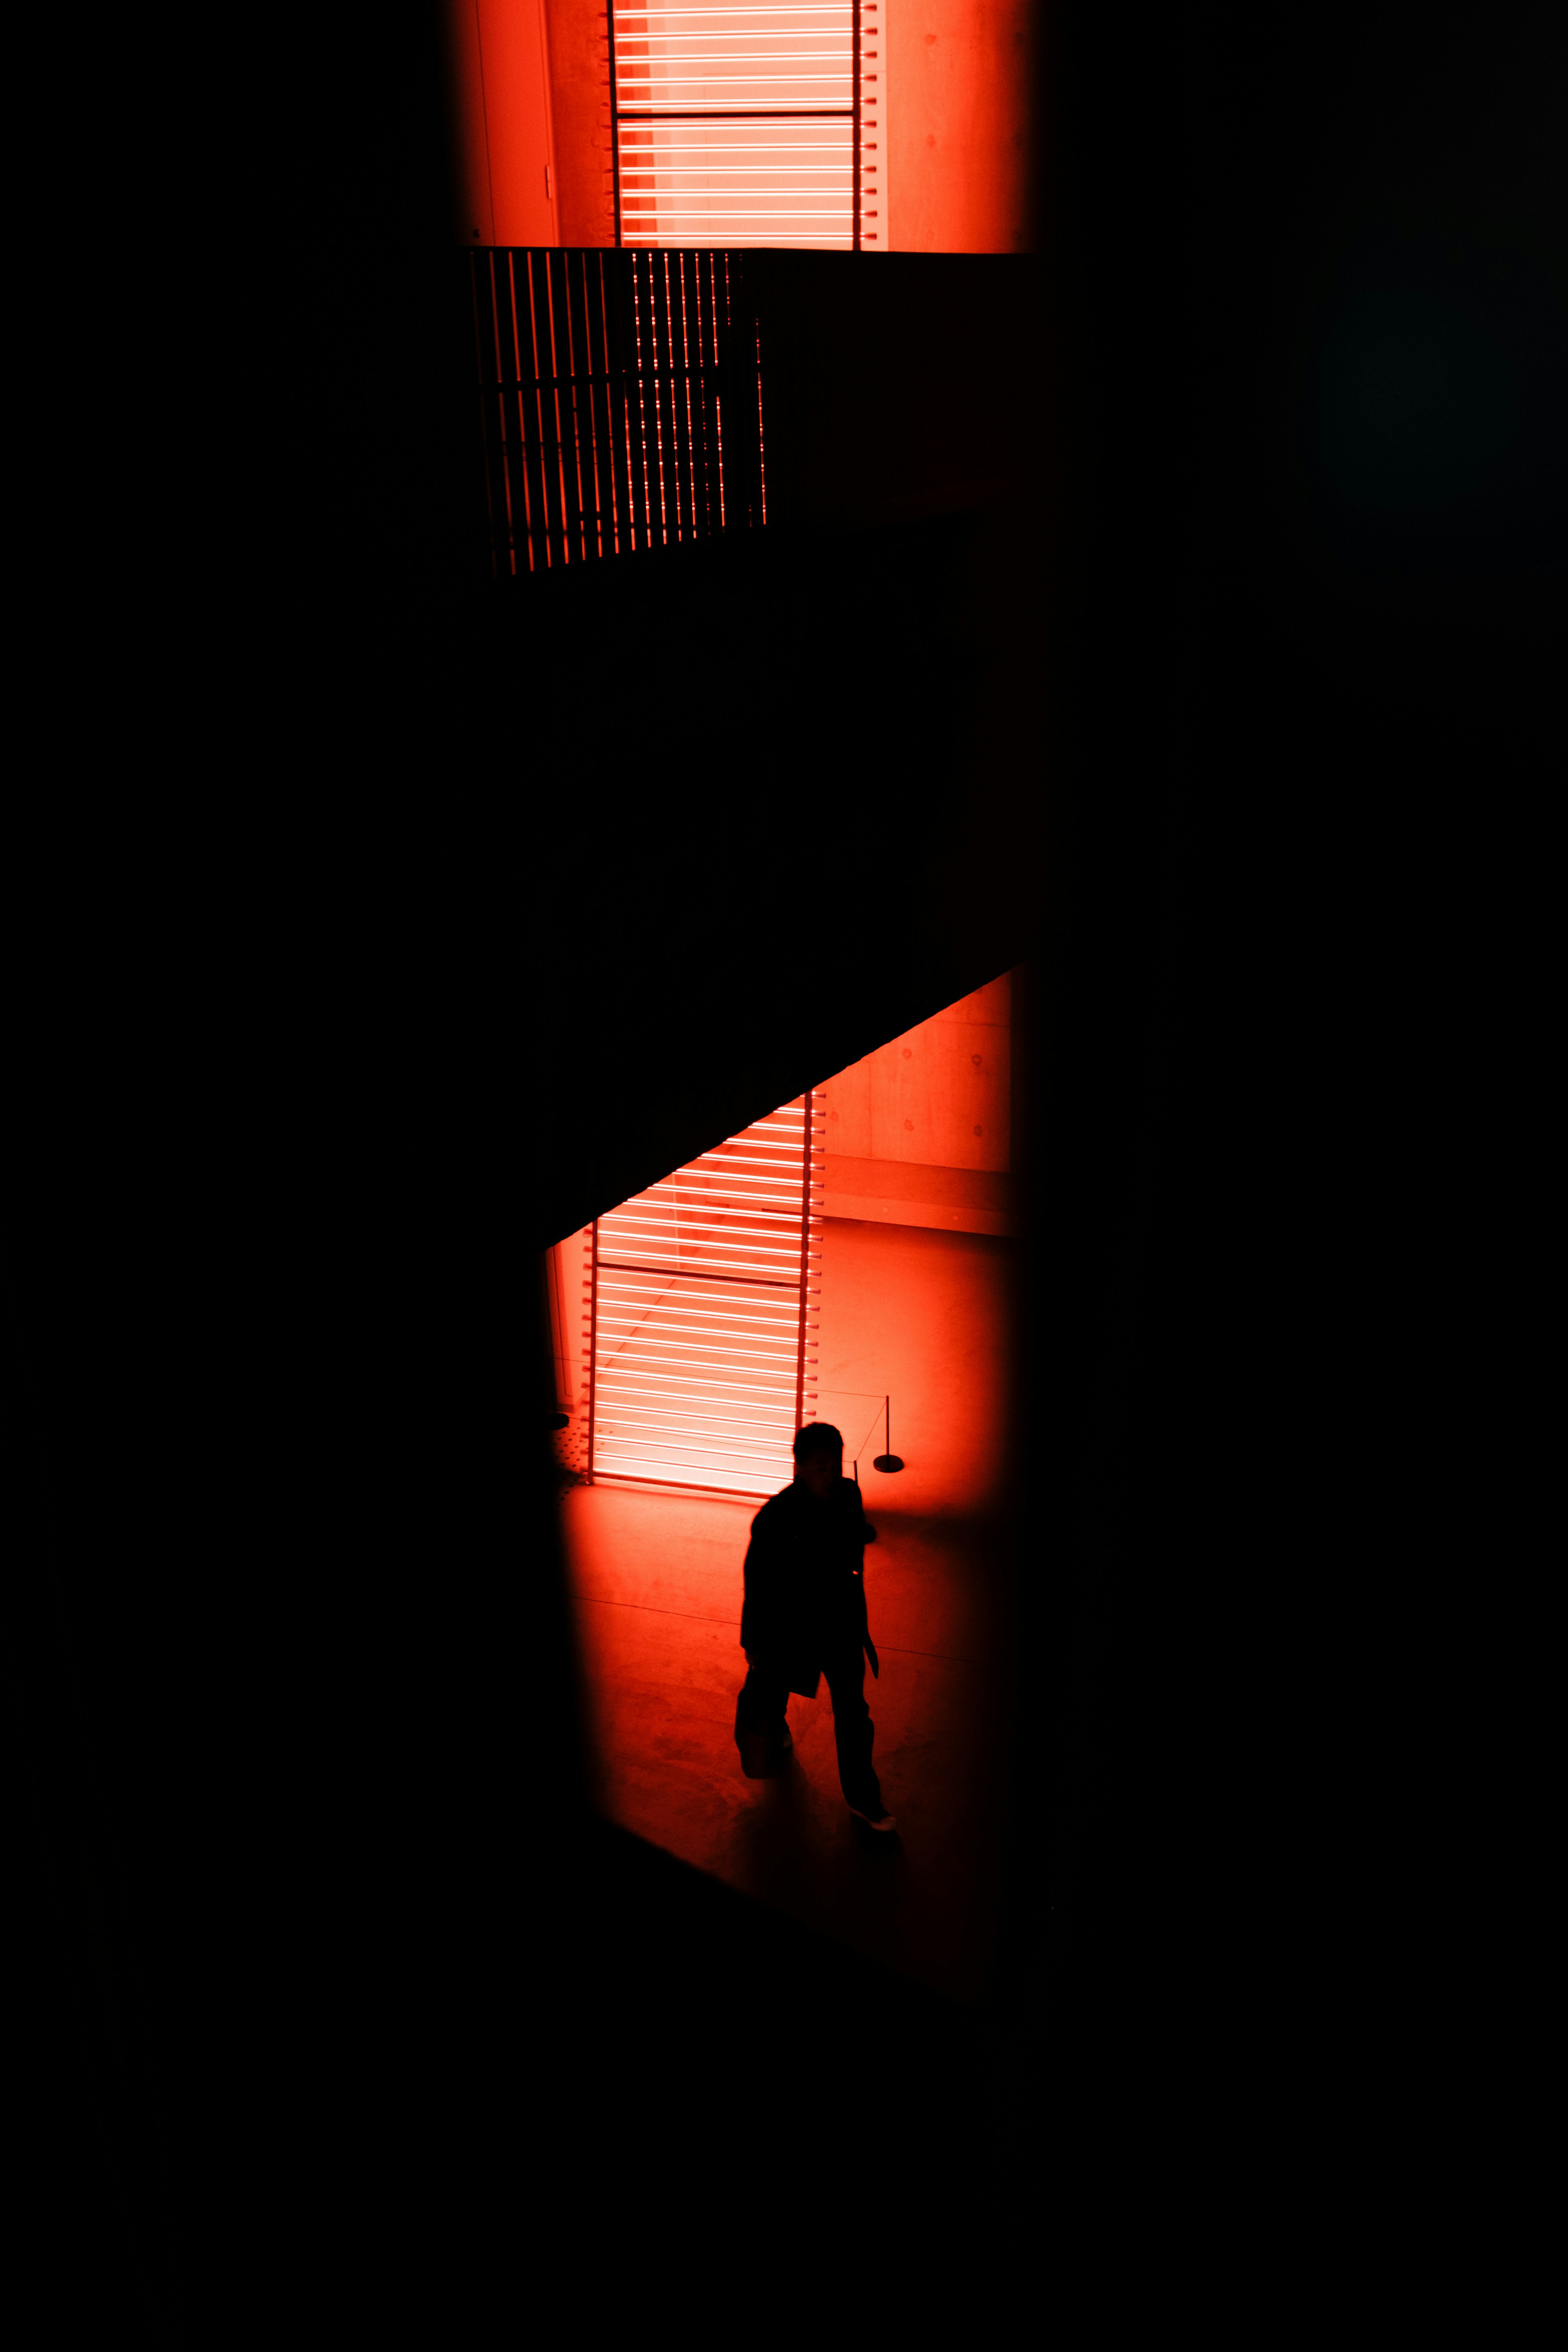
(909, 1288)
(656, 1580)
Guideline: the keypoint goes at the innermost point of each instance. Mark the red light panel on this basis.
(739, 126)
(702, 1362)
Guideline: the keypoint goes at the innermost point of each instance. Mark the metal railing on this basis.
(621, 401)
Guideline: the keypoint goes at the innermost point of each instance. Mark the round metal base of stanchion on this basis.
(886, 1462)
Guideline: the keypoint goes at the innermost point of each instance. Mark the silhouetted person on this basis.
(804, 1616)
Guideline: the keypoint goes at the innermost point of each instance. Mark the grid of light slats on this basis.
(620, 402)
(735, 125)
(704, 1315)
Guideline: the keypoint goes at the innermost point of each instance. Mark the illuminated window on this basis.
(742, 125)
(703, 1297)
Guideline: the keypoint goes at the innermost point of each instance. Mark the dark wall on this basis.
(910, 390)
(481, 913)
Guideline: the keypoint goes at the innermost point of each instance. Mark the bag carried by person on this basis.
(760, 1756)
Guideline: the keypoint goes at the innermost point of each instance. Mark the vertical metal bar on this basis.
(638, 266)
(702, 457)
(754, 352)
(688, 369)
(561, 384)
(615, 116)
(485, 418)
(593, 336)
(715, 355)
(596, 520)
(593, 1343)
(572, 263)
(705, 355)
(748, 277)
(527, 404)
(520, 465)
(575, 268)
(854, 132)
(663, 384)
(559, 264)
(550, 385)
(702, 413)
(674, 282)
(612, 303)
(804, 1266)
(647, 387)
(731, 417)
(551, 364)
(511, 442)
(720, 353)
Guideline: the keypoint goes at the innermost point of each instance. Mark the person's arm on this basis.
(866, 1642)
(758, 1585)
(866, 1531)
(868, 1534)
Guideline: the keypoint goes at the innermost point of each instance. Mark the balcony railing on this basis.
(621, 398)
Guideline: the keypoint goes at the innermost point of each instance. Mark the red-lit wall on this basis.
(959, 102)
(531, 79)
(580, 106)
(506, 152)
(920, 1132)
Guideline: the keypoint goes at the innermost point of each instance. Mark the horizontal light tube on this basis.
(670, 1442)
(722, 1322)
(743, 1228)
(759, 1466)
(757, 1387)
(742, 1383)
(719, 1317)
(628, 1324)
(754, 1423)
(652, 1359)
(742, 1269)
(738, 1384)
(802, 8)
(624, 1431)
(659, 42)
(761, 1396)
(726, 81)
(742, 1282)
(746, 1226)
(718, 1262)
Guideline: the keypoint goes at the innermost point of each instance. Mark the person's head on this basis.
(818, 1458)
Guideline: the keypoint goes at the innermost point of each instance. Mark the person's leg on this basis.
(853, 1732)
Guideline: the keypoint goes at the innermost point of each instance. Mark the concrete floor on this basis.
(657, 1584)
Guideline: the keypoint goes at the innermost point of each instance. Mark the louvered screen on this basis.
(620, 400)
(754, 124)
(703, 1295)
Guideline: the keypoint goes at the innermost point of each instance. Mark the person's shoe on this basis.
(874, 1821)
